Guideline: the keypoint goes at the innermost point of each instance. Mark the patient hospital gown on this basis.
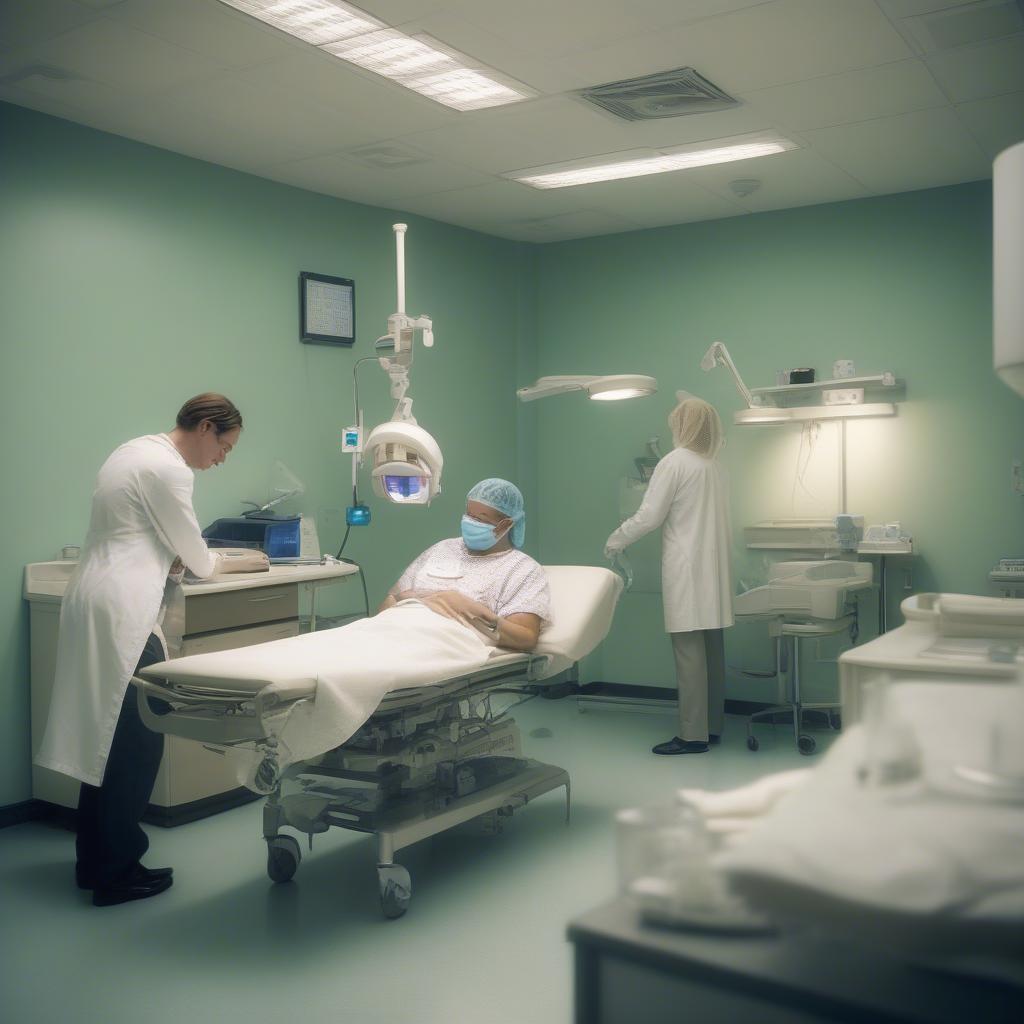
(509, 582)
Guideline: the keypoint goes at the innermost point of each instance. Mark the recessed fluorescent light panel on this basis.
(635, 165)
(416, 62)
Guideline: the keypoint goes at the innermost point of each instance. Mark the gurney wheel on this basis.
(806, 744)
(283, 856)
(395, 889)
(752, 743)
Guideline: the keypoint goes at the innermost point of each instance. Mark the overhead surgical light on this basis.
(407, 461)
(610, 388)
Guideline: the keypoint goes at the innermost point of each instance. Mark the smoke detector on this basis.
(667, 94)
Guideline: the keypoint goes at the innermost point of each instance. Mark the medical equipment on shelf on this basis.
(407, 461)
(1008, 265)
(1008, 577)
(849, 531)
(801, 601)
(428, 758)
(817, 590)
(603, 389)
(278, 536)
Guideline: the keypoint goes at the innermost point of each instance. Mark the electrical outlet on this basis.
(1016, 480)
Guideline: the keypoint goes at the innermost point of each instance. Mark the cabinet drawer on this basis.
(233, 608)
(205, 643)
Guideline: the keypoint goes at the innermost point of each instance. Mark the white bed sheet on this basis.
(583, 599)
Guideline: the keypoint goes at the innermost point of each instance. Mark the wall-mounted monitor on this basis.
(327, 309)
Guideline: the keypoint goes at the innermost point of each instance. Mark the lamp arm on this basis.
(558, 385)
(718, 355)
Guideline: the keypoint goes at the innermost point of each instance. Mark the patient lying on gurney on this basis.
(458, 601)
(482, 579)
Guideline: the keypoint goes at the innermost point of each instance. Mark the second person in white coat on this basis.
(688, 499)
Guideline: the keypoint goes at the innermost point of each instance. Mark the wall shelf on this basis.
(879, 381)
(777, 407)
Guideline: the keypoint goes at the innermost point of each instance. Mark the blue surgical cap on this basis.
(506, 498)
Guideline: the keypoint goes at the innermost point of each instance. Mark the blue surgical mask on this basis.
(479, 536)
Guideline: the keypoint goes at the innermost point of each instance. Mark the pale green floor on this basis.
(483, 941)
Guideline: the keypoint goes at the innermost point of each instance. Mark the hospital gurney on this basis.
(427, 759)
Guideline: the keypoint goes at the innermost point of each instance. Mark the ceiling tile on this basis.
(974, 72)
(658, 199)
(22, 24)
(897, 154)
(202, 26)
(773, 43)
(564, 128)
(912, 8)
(524, 64)
(799, 177)
(996, 123)
(581, 224)
(501, 201)
(553, 29)
(896, 88)
(81, 94)
(108, 52)
(342, 175)
(665, 13)
(394, 12)
(381, 108)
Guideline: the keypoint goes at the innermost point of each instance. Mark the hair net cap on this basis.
(695, 425)
(506, 498)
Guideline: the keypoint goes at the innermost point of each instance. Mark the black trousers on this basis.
(110, 839)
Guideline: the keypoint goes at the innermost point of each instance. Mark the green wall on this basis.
(899, 283)
(132, 278)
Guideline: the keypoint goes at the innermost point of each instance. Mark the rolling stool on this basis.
(792, 633)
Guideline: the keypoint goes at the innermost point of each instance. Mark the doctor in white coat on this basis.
(687, 497)
(142, 531)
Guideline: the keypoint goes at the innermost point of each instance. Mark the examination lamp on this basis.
(602, 389)
(407, 461)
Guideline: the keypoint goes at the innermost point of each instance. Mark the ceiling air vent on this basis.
(668, 94)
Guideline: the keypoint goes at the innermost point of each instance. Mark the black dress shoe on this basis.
(85, 879)
(134, 886)
(681, 746)
(714, 739)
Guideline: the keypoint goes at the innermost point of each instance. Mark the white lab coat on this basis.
(687, 496)
(142, 517)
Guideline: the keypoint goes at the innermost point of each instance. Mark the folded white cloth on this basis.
(937, 844)
(746, 801)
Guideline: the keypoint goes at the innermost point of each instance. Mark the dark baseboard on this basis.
(165, 817)
(27, 810)
(625, 691)
(182, 814)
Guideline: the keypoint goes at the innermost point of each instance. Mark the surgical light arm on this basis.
(395, 349)
(407, 462)
(718, 355)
